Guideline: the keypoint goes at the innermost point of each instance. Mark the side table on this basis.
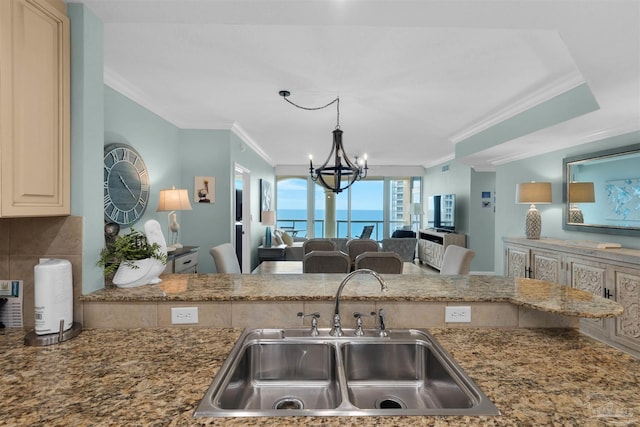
(274, 253)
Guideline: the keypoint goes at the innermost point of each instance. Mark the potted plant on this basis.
(132, 252)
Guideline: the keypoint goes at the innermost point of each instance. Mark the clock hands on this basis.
(127, 187)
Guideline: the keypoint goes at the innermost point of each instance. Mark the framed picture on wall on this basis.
(266, 197)
(204, 189)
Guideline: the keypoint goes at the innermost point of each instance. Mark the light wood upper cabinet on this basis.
(35, 153)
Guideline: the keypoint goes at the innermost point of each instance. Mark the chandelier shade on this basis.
(340, 175)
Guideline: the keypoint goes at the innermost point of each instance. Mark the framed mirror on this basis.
(601, 192)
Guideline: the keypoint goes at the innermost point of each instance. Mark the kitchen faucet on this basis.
(336, 330)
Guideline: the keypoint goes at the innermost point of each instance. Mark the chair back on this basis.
(224, 256)
(380, 262)
(318, 245)
(356, 247)
(326, 262)
(366, 232)
(456, 260)
(403, 246)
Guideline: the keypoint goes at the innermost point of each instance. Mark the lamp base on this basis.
(575, 215)
(267, 237)
(174, 246)
(533, 226)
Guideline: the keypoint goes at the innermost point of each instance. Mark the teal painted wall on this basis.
(154, 138)
(206, 153)
(175, 157)
(510, 217)
(471, 219)
(87, 137)
(482, 221)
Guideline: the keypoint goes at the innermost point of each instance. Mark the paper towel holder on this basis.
(35, 340)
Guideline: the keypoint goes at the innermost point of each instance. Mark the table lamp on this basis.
(173, 200)
(533, 192)
(268, 219)
(579, 192)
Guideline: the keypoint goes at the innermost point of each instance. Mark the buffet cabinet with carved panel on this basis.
(609, 273)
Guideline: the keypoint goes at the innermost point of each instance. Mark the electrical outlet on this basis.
(184, 315)
(457, 314)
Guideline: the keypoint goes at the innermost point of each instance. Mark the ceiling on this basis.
(414, 77)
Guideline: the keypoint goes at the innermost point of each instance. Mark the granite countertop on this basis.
(156, 377)
(530, 293)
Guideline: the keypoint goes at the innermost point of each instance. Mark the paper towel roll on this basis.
(53, 295)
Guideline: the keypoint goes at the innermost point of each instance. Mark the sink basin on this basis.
(403, 375)
(285, 372)
(276, 375)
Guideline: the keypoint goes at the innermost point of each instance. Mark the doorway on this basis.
(242, 216)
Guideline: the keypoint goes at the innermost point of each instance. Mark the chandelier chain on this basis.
(337, 100)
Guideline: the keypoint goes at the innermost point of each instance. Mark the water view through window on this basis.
(362, 206)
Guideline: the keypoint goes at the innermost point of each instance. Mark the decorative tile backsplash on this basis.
(23, 241)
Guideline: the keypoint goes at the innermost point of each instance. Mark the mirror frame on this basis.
(593, 228)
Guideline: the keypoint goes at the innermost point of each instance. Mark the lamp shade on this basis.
(581, 192)
(174, 200)
(268, 218)
(416, 209)
(533, 192)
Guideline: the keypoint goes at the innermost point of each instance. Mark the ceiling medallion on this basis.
(344, 172)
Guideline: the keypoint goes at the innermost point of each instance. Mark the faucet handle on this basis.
(358, 316)
(314, 322)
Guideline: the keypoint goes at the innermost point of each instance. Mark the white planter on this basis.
(147, 273)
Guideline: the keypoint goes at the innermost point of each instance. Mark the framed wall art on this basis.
(266, 197)
(204, 189)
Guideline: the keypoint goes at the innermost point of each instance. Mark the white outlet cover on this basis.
(457, 314)
(184, 315)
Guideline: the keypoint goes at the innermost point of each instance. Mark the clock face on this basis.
(126, 185)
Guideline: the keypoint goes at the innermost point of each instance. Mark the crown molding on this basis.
(244, 136)
(440, 160)
(122, 86)
(537, 97)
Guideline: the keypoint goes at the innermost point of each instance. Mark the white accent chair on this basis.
(456, 260)
(224, 256)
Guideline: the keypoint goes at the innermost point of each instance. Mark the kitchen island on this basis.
(270, 300)
(156, 377)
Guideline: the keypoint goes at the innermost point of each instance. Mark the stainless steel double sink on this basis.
(285, 372)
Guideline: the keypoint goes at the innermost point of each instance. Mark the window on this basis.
(386, 203)
(291, 204)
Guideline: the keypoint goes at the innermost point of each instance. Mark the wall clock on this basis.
(126, 184)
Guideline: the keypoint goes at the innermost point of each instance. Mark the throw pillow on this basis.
(287, 239)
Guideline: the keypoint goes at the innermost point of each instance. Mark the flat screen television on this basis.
(441, 212)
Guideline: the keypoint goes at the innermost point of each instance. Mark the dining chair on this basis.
(326, 262)
(380, 262)
(456, 260)
(356, 247)
(224, 256)
(318, 245)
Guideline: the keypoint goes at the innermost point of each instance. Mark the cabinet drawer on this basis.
(186, 262)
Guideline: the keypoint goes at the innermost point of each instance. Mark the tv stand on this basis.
(432, 244)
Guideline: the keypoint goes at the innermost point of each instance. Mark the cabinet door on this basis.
(626, 288)
(590, 276)
(34, 114)
(546, 266)
(517, 262)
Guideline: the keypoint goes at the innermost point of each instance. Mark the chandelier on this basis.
(344, 172)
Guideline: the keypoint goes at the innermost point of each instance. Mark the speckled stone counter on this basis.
(156, 377)
(534, 294)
